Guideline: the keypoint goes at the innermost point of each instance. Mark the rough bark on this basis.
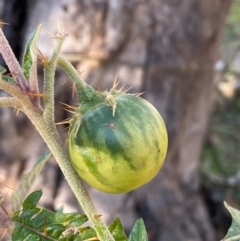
(167, 49)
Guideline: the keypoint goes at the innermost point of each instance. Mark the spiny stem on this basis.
(46, 127)
(50, 135)
(49, 74)
(85, 92)
(12, 62)
(10, 102)
(17, 93)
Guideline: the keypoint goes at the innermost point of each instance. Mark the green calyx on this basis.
(90, 98)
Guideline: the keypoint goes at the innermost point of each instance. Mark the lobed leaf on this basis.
(138, 232)
(233, 233)
(20, 194)
(37, 223)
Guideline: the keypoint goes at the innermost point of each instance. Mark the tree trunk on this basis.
(166, 49)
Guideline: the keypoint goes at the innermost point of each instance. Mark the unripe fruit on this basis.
(118, 145)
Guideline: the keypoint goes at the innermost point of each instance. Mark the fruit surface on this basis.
(118, 151)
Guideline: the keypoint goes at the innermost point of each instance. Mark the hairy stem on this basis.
(85, 92)
(10, 102)
(50, 135)
(17, 93)
(46, 127)
(49, 74)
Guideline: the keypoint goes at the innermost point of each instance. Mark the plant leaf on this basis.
(2, 70)
(35, 223)
(233, 233)
(29, 63)
(5, 77)
(72, 219)
(20, 194)
(31, 52)
(138, 232)
(117, 230)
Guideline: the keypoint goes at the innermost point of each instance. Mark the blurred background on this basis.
(185, 57)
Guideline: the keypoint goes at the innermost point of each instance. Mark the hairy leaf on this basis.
(31, 52)
(37, 223)
(20, 194)
(138, 232)
(233, 233)
(117, 230)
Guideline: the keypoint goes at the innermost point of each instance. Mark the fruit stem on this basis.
(85, 92)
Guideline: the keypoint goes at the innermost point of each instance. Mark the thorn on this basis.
(53, 36)
(66, 121)
(138, 94)
(4, 233)
(72, 112)
(65, 81)
(17, 111)
(3, 197)
(59, 26)
(97, 216)
(4, 23)
(92, 83)
(80, 72)
(34, 94)
(126, 90)
(122, 89)
(8, 186)
(36, 24)
(61, 31)
(73, 90)
(67, 139)
(69, 106)
(100, 88)
(66, 128)
(115, 83)
(42, 58)
(11, 74)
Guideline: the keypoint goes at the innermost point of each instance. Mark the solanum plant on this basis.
(136, 149)
(111, 133)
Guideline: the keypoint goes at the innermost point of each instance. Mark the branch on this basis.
(85, 92)
(12, 62)
(10, 102)
(49, 74)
